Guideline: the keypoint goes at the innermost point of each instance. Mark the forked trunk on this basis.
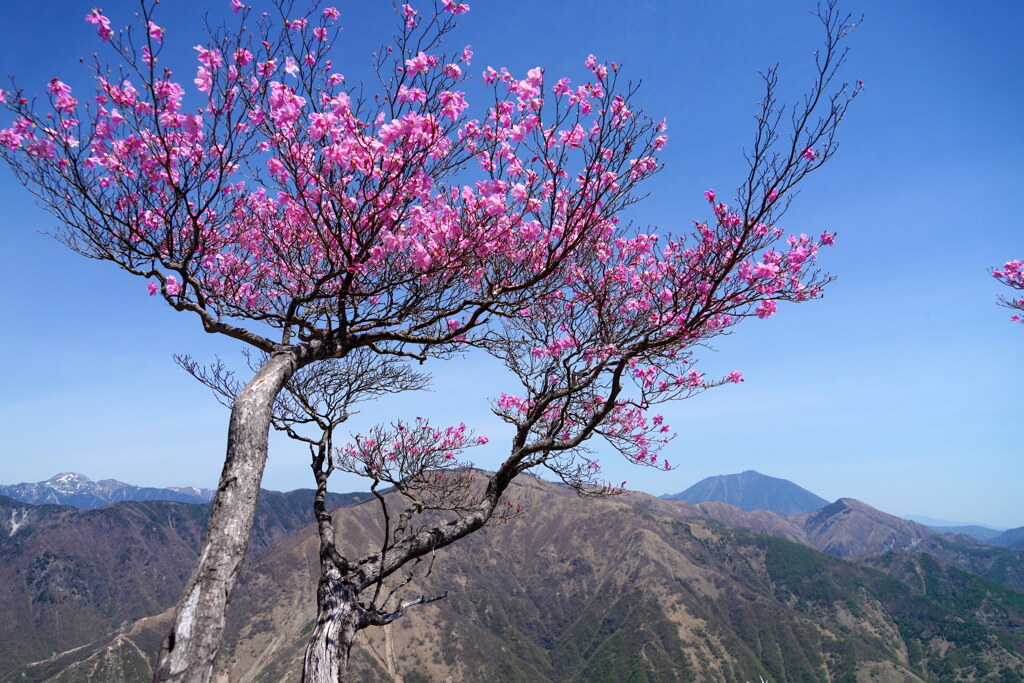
(337, 608)
(330, 643)
(188, 651)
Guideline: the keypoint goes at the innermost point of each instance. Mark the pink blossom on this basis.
(156, 33)
(641, 167)
(242, 57)
(562, 87)
(827, 239)
(11, 138)
(772, 196)
(410, 16)
(96, 18)
(152, 287)
(410, 95)
(735, 377)
(808, 154)
(494, 205)
(572, 138)
(455, 7)
(710, 196)
(211, 59)
(1012, 273)
(62, 101)
(331, 13)
(236, 5)
(277, 169)
(421, 63)
(452, 104)
(764, 270)
(766, 309)
(42, 149)
(467, 54)
(267, 68)
(420, 257)
(798, 255)
(320, 33)
(203, 80)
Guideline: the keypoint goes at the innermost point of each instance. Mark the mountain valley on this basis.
(624, 588)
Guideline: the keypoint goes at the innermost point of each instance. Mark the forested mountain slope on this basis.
(629, 588)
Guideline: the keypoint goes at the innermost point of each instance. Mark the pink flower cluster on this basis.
(1012, 275)
(96, 18)
(404, 450)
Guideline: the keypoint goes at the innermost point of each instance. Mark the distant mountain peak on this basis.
(68, 477)
(850, 504)
(78, 490)
(750, 490)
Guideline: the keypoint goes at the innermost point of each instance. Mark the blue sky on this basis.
(902, 387)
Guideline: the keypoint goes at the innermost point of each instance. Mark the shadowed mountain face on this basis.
(79, 491)
(1012, 538)
(752, 490)
(69, 575)
(621, 589)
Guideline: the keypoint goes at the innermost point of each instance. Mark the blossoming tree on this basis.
(286, 209)
(1012, 275)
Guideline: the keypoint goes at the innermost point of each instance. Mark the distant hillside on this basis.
(982, 533)
(1012, 538)
(77, 490)
(68, 576)
(752, 490)
(621, 589)
(851, 529)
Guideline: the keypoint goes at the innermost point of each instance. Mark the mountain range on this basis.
(753, 491)
(749, 490)
(77, 490)
(623, 588)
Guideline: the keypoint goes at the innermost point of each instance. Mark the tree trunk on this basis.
(337, 611)
(188, 651)
(330, 643)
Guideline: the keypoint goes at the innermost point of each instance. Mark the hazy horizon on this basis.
(922, 519)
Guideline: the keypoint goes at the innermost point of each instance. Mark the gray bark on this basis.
(337, 622)
(338, 612)
(189, 650)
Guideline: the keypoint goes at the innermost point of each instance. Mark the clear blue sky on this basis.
(902, 387)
